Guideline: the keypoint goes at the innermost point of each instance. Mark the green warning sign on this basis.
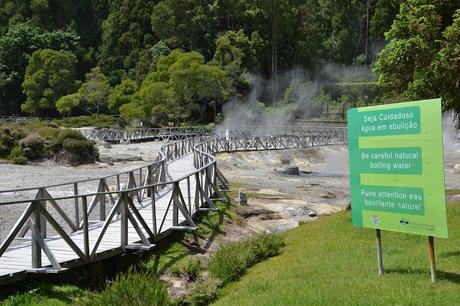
(397, 167)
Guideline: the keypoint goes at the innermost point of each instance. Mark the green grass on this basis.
(46, 295)
(329, 262)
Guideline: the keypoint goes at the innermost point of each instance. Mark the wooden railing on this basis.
(69, 212)
(168, 133)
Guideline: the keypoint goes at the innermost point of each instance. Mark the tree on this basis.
(95, 91)
(67, 103)
(385, 13)
(126, 38)
(16, 46)
(49, 76)
(153, 102)
(122, 94)
(420, 48)
(185, 24)
(193, 81)
(235, 55)
(446, 65)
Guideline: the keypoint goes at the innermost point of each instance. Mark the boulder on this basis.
(291, 171)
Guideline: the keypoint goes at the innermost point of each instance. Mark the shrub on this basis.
(33, 146)
(48, 133)
(133, 288)
(18, 157)
(74, 142)
(232, 259)
(190, 266)
(18, 133)
(203, 292)
(68, 133)
(6, 140)
(77, 146)
(266, 245)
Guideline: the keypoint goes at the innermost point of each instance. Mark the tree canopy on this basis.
(203, 53)
(49, 76)
(421, 59)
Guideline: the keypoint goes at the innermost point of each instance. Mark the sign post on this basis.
(397, 170)
(379, 251)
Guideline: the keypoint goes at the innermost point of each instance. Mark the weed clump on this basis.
(203, 292)
(133, 288)
(232, 260)
(189, 266)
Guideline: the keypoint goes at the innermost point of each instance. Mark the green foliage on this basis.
(46, 295)
(232, 260)
(203, 292)
(122, 94)
(74, 142)
(80, 147)
(49, 76)
(95, 91)
(18, 157)
(126, 38)
(446, 65)
(385, 13)
(66, 104)
(85, 121)
(133, 288)
(16, 47)
(185, 24)
(422, 46)
(190, 266)
(182, 86)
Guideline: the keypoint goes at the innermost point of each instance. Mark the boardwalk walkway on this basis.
(17, 260)
(130, 210)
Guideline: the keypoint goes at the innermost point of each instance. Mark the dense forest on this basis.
(181, 60)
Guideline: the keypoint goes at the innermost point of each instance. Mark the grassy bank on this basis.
(329, 262)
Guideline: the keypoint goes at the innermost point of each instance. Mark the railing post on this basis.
(77, 210)
(84, 207)
(149, 179)
(124, 219)
(163, 171)
(42, 226)
(154, 209)
(197, 191)
(189, 196)
(102, 199)
(36, 248)
(175, 208)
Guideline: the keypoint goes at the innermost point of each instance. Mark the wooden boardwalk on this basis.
(17, 260)
(129, 210)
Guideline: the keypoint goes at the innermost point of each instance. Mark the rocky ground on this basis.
(278, 201)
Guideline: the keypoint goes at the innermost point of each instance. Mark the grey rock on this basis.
(242, 198)
(291, 171)
(106, 159)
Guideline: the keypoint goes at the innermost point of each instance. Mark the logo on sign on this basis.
(404, 221)
(375, 220)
